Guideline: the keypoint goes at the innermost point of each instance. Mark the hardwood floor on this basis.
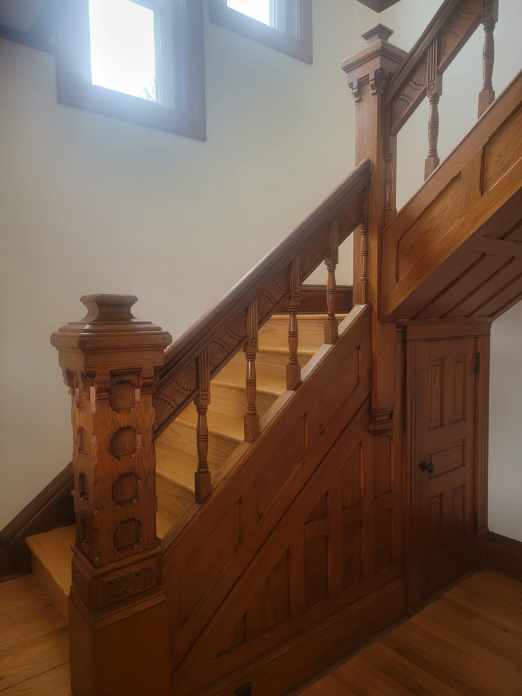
(467, 642)
(34, 642)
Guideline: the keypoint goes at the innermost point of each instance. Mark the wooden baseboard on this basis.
(51, 508)
(501, 553)
(310, 653)
(313, 300)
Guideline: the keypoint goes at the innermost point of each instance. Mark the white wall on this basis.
(462, 83)
(90, 204)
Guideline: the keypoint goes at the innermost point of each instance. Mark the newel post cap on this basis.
(377, 61)
(110, 334)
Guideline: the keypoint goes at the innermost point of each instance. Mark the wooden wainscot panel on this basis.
(439, 245)
(205, 560)
(338, 542)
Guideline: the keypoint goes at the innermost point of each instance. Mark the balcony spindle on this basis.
(293, 369)
(489, 20)
(331, 331)
(251, 416)
(203, 480)
(433, 91)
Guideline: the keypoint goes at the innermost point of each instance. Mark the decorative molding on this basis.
(375, 65)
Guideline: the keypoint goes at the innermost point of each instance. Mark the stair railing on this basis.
(194, 359)
(421, 75)
(126, 386)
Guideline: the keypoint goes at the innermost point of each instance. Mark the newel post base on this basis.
(119, 631)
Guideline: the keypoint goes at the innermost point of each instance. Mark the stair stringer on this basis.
(207, 558)
(337, 547)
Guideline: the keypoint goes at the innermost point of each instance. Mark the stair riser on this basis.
(171, 496)
(231, 401)
(275, 333)
(51, 588)
(183, 437)
(270, 368)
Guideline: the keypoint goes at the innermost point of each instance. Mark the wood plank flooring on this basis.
(34, 642)
(469, 642)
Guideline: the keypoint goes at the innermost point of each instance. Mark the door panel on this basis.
(443, 461)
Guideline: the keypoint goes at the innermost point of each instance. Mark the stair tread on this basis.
(218, 423)
(53, 548)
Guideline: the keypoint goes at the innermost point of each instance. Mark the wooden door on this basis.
(443, 418)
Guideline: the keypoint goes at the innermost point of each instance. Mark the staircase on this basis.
(265, 494)
(176, 448)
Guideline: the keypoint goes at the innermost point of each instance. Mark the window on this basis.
(285, 25)
(138, 60)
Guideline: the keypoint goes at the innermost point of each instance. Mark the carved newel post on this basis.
(117, 610)
(369, 72)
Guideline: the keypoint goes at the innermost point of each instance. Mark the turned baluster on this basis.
(361, 286)
(293, 369)
(489, 20)
(251, 416)
(433, 91)
(331, 333)
(203, 480)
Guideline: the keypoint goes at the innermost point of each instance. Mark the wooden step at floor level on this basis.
(51, 554)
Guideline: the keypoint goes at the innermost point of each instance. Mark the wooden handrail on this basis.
(222, 330)
(450, 28)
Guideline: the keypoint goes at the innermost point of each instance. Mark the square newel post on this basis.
(368, 73)
(117, 609)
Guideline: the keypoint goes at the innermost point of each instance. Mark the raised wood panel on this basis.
(261, 480)
(454, 249)
(502, 151)
(333, 546)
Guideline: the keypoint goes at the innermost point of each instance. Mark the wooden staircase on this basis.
(176, 448)
(263, 495)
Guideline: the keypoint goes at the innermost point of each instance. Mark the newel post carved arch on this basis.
(368, 74)
(117, 615)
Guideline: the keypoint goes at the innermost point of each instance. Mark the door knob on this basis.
(427, 466)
